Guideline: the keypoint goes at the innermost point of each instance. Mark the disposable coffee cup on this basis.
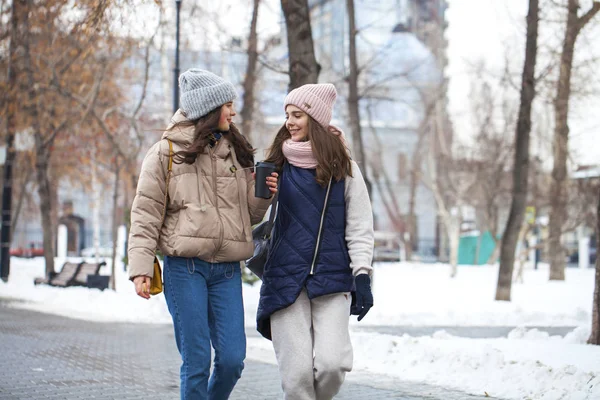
(263, 170)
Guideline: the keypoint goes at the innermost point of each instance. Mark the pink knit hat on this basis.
(314, 99)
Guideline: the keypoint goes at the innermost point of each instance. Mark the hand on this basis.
(271, 181)
(364, 297)
(142, 286)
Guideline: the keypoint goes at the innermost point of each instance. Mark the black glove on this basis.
(363, 296)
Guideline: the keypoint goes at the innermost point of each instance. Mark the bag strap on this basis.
(273, 208)
(274, 205)
(319, 235)
(164, 214)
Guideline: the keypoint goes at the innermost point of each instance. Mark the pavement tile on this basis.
(51, 357)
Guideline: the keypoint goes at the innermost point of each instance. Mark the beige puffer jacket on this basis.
(210, 210)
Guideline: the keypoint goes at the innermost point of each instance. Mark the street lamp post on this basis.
(176, 69)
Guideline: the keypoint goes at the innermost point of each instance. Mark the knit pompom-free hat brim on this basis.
(316, 100)
(202, 91)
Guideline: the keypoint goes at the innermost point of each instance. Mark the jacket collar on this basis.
(184, 136)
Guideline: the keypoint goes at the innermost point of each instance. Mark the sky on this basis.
(526, 363)
(486, 30)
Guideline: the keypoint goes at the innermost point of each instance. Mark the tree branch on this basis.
(92, 111)
(146, 75)
(584, 19)
(56, 131)
(270, 67)
(388, 183)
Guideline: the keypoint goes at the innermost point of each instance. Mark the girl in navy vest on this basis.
(321, 249)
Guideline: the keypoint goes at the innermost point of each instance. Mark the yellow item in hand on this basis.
(156, 285)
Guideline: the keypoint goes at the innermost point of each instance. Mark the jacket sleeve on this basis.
(257, 206)
(359, 223)
(146, 214)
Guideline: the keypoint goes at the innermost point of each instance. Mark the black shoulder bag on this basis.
(261, 235)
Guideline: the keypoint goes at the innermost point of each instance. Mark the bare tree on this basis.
(595, 335)
(353, 98)
(493, 121)
(521, 163)
(250, 77)
(403, 221)
(303, 64)
(41, 146)
(452, 191)
(559, 197)
(385, 187)
(65, 89)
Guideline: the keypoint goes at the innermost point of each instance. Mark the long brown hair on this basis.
(332, 156)
(204, 129)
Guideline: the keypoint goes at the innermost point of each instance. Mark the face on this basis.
(227, 113)
(296, 122)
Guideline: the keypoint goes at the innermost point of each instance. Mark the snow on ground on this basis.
(79, 302)
(417, 294)
(424, 294)
(528, 364)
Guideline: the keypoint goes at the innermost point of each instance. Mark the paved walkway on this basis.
(50, 357)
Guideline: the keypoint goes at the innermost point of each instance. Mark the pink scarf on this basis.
(300, 154)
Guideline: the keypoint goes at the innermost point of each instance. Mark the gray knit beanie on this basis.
(202, 91)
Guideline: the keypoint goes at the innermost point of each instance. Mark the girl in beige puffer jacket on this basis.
(204, 229)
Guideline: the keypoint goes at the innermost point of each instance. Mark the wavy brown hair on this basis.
(332, 156)
(204, 129)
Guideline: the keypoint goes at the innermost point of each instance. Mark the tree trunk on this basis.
(454, 239)
(415, 173)
(303, 63)
(16, 213)
(595, 336)
(95, 207)
(11, 109)
(558, 191)
(358, 148)
(521, 257)
(41, 148)
(495, 253)
(412, 196)
(115, 227)
(521, 163)
(250, 78)
(493, 227)
(54, 202)
(41, 166)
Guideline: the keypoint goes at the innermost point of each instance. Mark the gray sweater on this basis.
(359, 223)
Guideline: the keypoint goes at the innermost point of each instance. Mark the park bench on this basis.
(85, 270)
(77, 274)
(63, 278)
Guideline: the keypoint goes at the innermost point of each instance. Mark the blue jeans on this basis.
(205, 301)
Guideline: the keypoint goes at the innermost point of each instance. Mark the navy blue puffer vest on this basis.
(288, 268)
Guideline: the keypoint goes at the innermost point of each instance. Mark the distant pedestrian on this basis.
(321, 249)
(206, 232)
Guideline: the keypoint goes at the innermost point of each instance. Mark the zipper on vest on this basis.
(312, 267)
(213, 160)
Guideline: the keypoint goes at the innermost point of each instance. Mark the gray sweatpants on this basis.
(312, 345)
